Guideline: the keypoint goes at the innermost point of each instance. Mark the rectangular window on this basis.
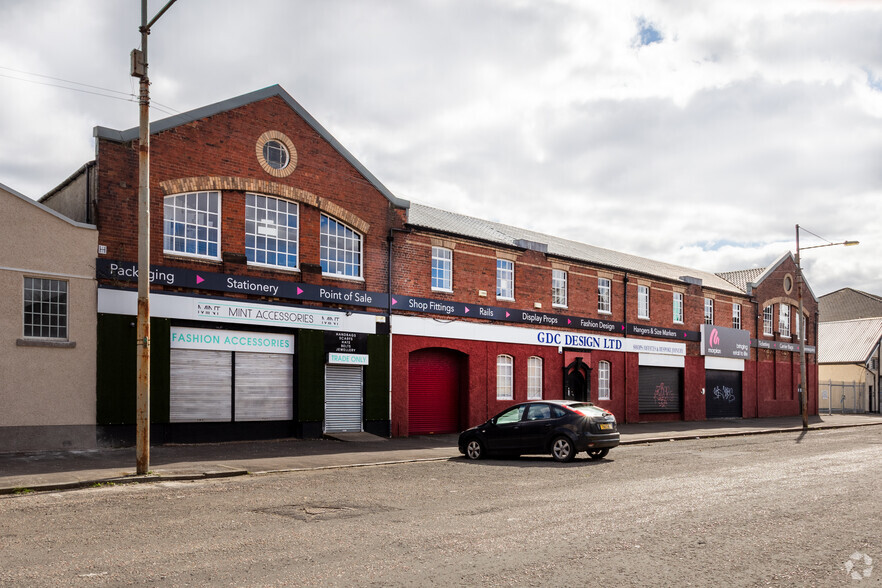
(559, 288)
(442, 269)
(505, 279)
(643, 302)
(192, 224)
(604, 296)
(271, 231)
(340, 249)
(45, 308)
(736, 316)
(678, 307)
(504, 377)
(708, 311)
(784, 319)
(603, 380)
(534, 378)
(768, 320)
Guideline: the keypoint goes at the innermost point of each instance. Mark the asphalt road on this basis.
(780, 510)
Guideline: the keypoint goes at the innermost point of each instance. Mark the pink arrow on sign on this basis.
(299, 291)
(467, 309)
(506, 314)
(569, 322)
(199, 279)
(394, 302)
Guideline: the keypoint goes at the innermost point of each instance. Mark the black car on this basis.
(560, 427)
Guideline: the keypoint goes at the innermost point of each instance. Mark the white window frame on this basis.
(184, 219)
(45, 308)
(534, 378)
(442, 269)
(604, 295)
(784, 319)
(349, 235)
(768, 320)
(643, 302)
(558, 288)
(603, 379)
(505, 269)
(736, 316)
(678, 308)
(266, 228)
(708, 311)
(504, 377)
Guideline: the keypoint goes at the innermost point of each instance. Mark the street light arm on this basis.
(846, 243)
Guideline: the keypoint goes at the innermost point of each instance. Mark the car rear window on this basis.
(587, 409)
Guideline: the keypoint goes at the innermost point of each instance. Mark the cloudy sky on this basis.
(689, 131)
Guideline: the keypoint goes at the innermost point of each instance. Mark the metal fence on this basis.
(843, 397)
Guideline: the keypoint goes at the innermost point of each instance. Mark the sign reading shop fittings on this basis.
(725, 342)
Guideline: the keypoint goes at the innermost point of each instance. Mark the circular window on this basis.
(788, 283)
(276, 154)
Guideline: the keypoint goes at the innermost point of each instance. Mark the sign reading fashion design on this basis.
(725, 342)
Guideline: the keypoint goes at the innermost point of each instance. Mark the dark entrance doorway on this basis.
(434, 377)
(577, 381)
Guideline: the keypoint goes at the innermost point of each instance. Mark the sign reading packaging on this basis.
(224, 340)
(725, 342)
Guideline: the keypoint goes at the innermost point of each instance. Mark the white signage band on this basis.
(424, 327)
(230, 310)
(224, 340)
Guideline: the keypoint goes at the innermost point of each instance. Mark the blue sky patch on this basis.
(647, 34)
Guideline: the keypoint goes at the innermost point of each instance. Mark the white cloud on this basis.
(704, 148)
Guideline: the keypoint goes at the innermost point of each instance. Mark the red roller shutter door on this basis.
(433, 395)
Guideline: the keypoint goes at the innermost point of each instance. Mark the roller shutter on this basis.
(723, 394)
(200, 386)
(343, 398)
(433, 392)
(660, 389)
(264, 386)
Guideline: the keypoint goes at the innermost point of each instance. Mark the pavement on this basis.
(61, 470)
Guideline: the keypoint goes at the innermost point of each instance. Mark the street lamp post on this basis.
(803, 392)
(142, 417)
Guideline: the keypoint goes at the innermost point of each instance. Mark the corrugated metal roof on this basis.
(848, 341)
(848, 303)
(466, 226)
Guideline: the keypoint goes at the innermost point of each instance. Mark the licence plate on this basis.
(604, 426)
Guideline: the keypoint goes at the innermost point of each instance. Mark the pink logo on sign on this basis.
(467, 308)
(714, 338)
(299, 291)
(199, 279)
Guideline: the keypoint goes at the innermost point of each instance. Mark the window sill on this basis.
(678, 322)
(342, 277)
(561, 306)
(442, 290)
(59, 344)
(606, 312)
(275, 268)
(191, 257)
(643, 318)
(505, 299)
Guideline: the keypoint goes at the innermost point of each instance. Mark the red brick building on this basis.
(275, 312)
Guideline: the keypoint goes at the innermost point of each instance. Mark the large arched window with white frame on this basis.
(534, 378)
(271, 230)
(340, 249)
(504, 377)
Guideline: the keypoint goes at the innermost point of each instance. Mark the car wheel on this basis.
(474, 449)
(562, 449)
(598, 453)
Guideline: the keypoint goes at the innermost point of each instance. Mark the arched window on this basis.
(340, 249)
(534, 378)
(504, 377)
(603, 380)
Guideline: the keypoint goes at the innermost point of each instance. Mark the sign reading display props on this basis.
(224, 340)
(725, 342)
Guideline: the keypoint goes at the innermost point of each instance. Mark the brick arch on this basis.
(794, 302)
(236, 184)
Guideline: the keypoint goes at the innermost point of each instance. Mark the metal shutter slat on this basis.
(200, 386)
(264, 387)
